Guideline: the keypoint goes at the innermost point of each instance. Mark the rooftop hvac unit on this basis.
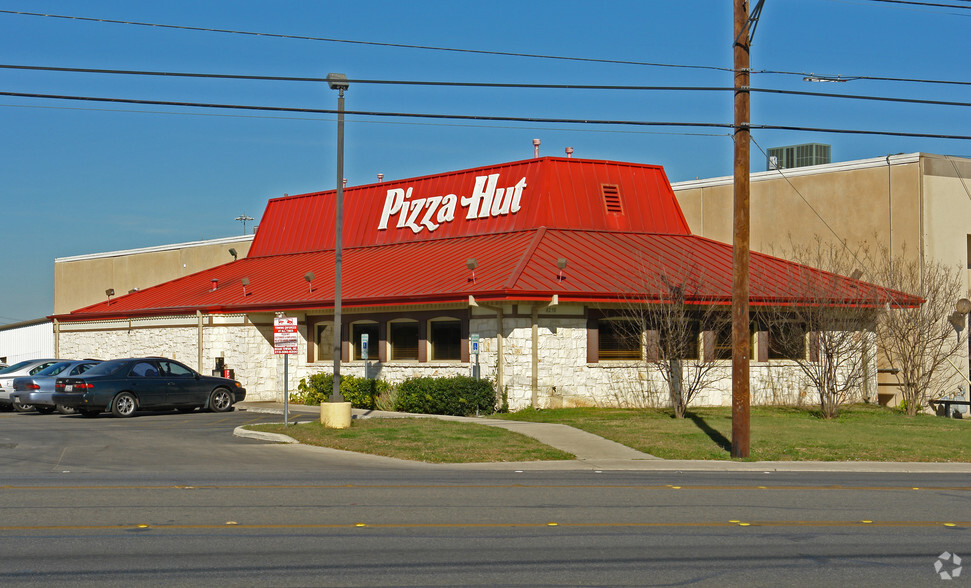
(798, 156)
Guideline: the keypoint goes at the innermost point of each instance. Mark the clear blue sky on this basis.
(82, 177)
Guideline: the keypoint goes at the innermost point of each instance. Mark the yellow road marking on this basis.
(703, 524)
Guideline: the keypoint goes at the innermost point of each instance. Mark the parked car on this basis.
(37, 391)
(23, 368)
(124, 386)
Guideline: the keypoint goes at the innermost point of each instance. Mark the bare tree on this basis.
(828, 330)
(920, 342)
(677, 335)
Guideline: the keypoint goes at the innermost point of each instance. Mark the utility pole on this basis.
(740, 237)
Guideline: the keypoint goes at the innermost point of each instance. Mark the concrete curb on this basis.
(262, 436)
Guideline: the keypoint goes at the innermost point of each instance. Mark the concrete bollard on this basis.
(335, 415)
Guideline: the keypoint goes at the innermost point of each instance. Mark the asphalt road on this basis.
(174, 499)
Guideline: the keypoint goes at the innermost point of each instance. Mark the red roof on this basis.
(620, 243)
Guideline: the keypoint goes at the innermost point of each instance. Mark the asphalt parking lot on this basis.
(147, 442)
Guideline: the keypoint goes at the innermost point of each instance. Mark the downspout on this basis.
(534, 377)
(57, 338)
(500, 371)
(199, 329)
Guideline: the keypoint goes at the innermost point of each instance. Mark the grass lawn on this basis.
(860, 433)
(423, 439)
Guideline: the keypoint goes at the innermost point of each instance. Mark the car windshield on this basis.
(107, 368)
(15, 367)
(55, 369)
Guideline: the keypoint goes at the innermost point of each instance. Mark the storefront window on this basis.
(364, 328)
(787, 341)
(445, 339)
(619, 339)
(403, 340)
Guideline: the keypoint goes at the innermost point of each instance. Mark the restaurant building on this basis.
(536, 261)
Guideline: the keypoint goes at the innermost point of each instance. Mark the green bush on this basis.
(360, 392)
(457, 395)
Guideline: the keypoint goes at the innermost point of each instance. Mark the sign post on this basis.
(474, 350)
(364, 345)
(285, 343)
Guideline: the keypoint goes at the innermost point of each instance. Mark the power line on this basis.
(478, 117)
(370, 43)
(460, 50)
(482, 84)
(932, 4)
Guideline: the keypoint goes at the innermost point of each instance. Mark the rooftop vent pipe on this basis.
(569, 151)
(380, 178)
(535, 147)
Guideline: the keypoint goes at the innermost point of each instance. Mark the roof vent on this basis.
(611, 194)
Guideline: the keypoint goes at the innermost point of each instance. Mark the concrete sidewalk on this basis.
(593, 452)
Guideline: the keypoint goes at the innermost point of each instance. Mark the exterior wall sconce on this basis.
(232, 251)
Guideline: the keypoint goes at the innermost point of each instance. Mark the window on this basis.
(364, 328)
(679, 340)
(619, 339)
(143, 369)
(175, 370)
(787, 341)
(445, 339)
(324, 341)
(403, 340)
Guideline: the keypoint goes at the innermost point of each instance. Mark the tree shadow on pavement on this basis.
(713, 434)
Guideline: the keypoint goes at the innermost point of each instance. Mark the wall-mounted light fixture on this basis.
(471, 263)
(109, 293)
(244, 282)
(232, 251)
(309, 276)
(561, 263)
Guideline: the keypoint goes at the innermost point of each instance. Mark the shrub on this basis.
(457, 395)
(360, 392)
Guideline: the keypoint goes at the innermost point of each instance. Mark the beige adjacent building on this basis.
(915, 203)
(83, 280)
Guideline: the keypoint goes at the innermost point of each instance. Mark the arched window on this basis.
(403, 340)
(358, 329)
(445, 339)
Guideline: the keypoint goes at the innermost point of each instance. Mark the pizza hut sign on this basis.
(430, 212)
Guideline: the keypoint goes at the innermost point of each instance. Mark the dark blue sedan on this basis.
(123, 386)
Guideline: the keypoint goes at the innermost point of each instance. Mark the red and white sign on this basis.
(430, 212)
(284, 336)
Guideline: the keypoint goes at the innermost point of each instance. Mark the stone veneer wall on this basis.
(564, 377)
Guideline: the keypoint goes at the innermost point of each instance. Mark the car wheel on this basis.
(220, 400)
(89, 413)
(124, 405)
(45, 409)
(64, 409)
(22, 407)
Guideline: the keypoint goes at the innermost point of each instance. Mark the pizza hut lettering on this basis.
(429, 213)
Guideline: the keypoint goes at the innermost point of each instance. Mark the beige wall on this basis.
(81, 281)
(915, 204)
(859, 201)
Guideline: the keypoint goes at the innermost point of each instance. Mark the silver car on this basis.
(37, 391)
(24, 368)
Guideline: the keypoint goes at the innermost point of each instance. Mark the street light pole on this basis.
(338, 82)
